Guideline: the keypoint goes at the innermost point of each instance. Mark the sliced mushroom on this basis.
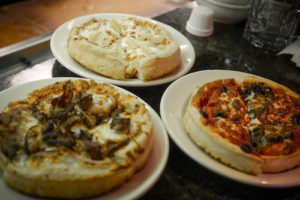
(32, 142)
(66, 98)
(120, 124)
(41, 116)
(89, 120)
(85, 101)
(257, 136)
(13, 115)
(236, 104)
(51, 134)
(94, 150)
(10, 145)
(67, 142)
(113, 146)
(84, 135)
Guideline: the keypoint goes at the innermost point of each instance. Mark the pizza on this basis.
(252, 125)
(74, 139)
(125, 48)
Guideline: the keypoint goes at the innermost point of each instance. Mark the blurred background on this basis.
(24, 19)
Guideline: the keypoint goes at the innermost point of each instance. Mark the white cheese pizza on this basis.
(73, 139)
(125, 48)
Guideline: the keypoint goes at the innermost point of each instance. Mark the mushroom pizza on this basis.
(73, 139)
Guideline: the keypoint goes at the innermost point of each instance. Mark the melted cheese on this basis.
(103, 134)
(73, 125)
(251, 96)
(104, 103)
(28, 122)
(135, 38)
(255, 121)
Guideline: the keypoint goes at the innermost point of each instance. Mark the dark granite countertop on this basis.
(226, 49)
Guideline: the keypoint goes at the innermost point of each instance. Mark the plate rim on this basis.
(129, 83)
(214, 165)
(159, 130)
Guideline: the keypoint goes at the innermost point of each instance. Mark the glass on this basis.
(272, 23)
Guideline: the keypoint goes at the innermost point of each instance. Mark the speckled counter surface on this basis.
(225, 49)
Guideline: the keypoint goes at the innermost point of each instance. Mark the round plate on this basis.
(172, 109)
(141, 182)
(59, 49)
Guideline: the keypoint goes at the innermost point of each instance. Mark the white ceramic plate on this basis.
(59, 49)
(138, 185)
(172, 109)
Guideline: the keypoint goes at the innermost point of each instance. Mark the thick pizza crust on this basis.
(100, 60)
(71, 183)
(70, 175)
(112, 63)
(159, 65)
(228, 153)
(271, 84)
(218, 147)
(274, 164)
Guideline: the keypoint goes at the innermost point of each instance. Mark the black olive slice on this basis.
(267, 90)
(256, 89)
(204, 114)
(246, 148)
(289, 135)
(220, 114)
(224, 89)
(275, 138)
(296, 119)
(245, 92)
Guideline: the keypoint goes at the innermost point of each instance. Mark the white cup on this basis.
(200, 22)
